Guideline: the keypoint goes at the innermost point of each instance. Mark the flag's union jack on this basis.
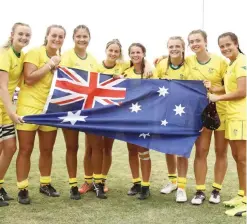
(86, 88)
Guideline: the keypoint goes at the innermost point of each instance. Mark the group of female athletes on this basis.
(225, 80)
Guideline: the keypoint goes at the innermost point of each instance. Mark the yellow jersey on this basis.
(236, 109)
(11, 63)
(163, 70)
(35, 95)
(131, 74)
(72, 60)
(214, 71)
(118, 69)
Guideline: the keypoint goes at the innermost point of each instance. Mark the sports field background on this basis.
(118, 208)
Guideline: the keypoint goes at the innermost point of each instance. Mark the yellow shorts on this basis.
(235, 130)
(222, 126)
(7, 128)
(22, 111)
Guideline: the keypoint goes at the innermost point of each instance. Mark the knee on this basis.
(72, 148)
(46, 151)
(201, 153)
(25, 151)
(220, 154)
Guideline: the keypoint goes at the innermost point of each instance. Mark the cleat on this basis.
(3, 203)
(135, 189)
(181, 195)
(23, 197)
(198, 198)
(5, 195)
(85, 188)
(234, 202)
(145, 193)
(240, 210)
(74, 193)
(99, 190)
(168, 188)
(215, 197)
(49, 190)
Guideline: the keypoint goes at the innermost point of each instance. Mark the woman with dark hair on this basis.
(235, 88)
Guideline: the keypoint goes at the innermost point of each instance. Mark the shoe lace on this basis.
(180, 193)
(168, 185)
(23, 193)
(74, 190)
(215, 193)
(3, 192)
(135, 187)
(199, 194)
(50, 188)
(1, 197)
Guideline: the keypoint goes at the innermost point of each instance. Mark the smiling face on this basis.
(113, 52)
(175, 48)
(197, 43)
(81, 39)
(21, 37)
(55, 38)
(228, 47)
(136, 54)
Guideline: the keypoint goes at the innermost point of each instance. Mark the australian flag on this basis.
(164, 115)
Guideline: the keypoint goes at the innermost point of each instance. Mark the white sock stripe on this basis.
(143, 153)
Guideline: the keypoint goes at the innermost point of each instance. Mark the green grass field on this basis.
(118, 208)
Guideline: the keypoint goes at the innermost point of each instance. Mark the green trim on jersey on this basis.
(201, 63)
(108, 67)
(16, 53)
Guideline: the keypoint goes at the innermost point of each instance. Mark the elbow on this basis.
(28, 81)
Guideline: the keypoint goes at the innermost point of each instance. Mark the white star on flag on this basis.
(144, 135)
(135, 107)
(179, 110)
(163, 91)
(73, 118)
(164, 122)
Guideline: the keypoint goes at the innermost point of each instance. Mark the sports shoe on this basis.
(240, 210)
(85, 187)
(99, 190)
(181, 195)
(23, 197)
(198, 198)
(4, 194)
(168, 188)
(233, 202)
(135, 189)
(145, 193)
(49, 190)
(215, 197)
(74, 193)
(3, 202)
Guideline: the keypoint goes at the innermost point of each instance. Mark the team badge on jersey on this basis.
(116, 71)
(181, 76)
(210, 70)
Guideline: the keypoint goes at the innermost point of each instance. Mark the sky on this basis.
(150, 22)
